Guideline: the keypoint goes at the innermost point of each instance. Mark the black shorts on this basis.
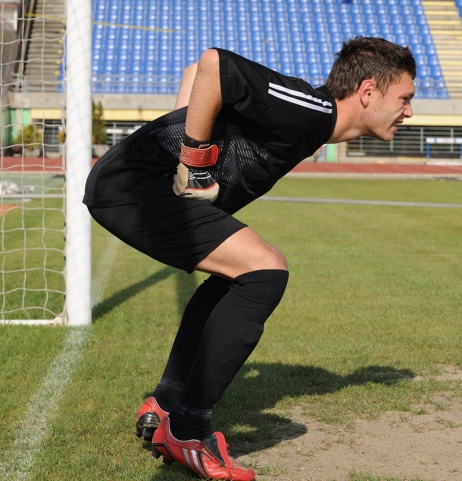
(175, 231)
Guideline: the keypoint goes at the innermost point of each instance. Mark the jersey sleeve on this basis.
(286, 107)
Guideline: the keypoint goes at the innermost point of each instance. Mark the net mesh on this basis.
(32, 179)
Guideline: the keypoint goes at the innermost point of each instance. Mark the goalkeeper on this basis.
(170, 189)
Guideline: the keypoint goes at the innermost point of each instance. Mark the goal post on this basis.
(45, 230)
(78, 139)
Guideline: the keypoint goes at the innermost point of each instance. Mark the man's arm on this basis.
(187, 81)
(205, 101)
(193, 178)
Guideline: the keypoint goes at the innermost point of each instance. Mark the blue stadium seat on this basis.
(399, 29)
(293, 36)
(312, 58)
(424, 30)
(417, 49)
(372, 29)
(301, 70)
(430, 50)
(414, 39)
(326, 68)
(314, 70)
(427, 40)
(421, 60)
(402, 40)
(423, 72)
(433, 61)
(436, 72)
(385, 29)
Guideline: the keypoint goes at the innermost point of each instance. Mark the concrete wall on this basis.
(144, 107)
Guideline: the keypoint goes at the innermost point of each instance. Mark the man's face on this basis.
(386, 111)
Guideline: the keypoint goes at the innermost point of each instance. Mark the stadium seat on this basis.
(417, 49)
(402, 40)
(436, 72)
(433, 61)
(299, 37)
(301, 70)
(421, 60)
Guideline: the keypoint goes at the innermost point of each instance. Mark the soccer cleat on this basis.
(208, 459)
(148, 418)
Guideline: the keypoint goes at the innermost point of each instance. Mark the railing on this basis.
(169, 84)
(409, 141)
(136, 84)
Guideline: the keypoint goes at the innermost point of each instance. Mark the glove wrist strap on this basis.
(195, 144)
(195, 157)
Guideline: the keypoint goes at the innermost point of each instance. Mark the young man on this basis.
(170, 189)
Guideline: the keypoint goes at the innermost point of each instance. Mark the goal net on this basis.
(34, 188)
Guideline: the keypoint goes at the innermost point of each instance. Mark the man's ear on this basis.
(366, 91)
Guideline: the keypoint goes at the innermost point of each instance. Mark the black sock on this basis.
(189, 335)
(167, 393)
(229, 337)
(190, 423)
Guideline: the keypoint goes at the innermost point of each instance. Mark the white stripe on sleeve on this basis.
(300, 94)
(300, 102)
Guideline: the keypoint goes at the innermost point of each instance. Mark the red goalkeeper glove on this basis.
(193, 179)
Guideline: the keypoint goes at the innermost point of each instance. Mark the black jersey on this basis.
(267, 125)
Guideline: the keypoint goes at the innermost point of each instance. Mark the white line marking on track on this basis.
(35, 424)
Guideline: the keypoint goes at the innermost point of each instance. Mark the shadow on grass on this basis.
(242, 415)
(185, 286)
(260, 386)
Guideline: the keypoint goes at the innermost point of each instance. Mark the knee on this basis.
(272, 258)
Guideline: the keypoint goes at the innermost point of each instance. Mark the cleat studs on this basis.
(147, 433)
(156, 453)
(168, 462)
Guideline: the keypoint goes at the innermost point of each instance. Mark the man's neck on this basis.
(348, 125)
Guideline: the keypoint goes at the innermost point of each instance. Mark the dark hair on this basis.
(368, 58)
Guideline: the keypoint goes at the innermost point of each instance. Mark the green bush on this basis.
(98, 128)
(98, 125)
(30, 136)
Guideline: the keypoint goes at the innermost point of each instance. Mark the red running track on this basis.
(39, 164)
(32, 164)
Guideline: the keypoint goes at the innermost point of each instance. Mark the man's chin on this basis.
(388, 137)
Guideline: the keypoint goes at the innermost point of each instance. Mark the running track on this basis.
(14, 164)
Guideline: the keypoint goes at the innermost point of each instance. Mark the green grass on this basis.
(33, 239)
(371, 189)
(373, 300)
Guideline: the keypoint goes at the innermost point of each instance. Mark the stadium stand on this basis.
(142, 46)
(444, 19)
(50, 67)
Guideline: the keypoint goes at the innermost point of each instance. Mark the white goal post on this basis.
(44, 227)
(79, 121)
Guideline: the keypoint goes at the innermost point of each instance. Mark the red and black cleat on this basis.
(208, 459)
(148, 418)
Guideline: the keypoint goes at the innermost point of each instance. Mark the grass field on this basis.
(374, 300)
(32, 234)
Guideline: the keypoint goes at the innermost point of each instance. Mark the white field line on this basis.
(103, 270)
(35, 424)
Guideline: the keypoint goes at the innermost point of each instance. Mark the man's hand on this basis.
(193, 179)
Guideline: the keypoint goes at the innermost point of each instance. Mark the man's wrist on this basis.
(195, 144)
